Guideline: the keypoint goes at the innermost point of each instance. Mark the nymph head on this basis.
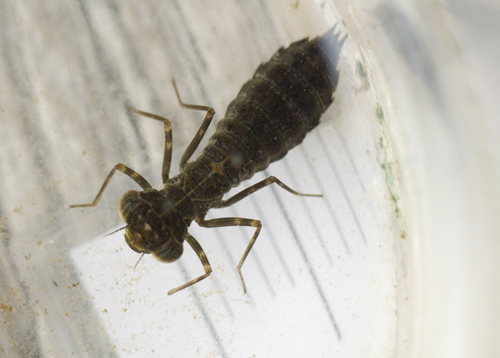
(152, 226)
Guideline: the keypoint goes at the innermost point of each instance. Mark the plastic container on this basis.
(398, 259)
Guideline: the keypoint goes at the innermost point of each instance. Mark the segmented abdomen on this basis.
(276, 108)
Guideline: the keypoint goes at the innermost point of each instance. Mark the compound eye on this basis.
(134, 240)
(128, 202)
(169, 252)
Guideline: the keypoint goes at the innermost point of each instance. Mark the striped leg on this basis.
(204, 260)
(201, 131)
(167, 154)
(124, 169)
(262, 184)
(222, 222)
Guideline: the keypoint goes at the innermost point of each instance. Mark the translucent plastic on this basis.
(400, 257)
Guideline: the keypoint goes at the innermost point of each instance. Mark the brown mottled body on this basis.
(271, 114)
